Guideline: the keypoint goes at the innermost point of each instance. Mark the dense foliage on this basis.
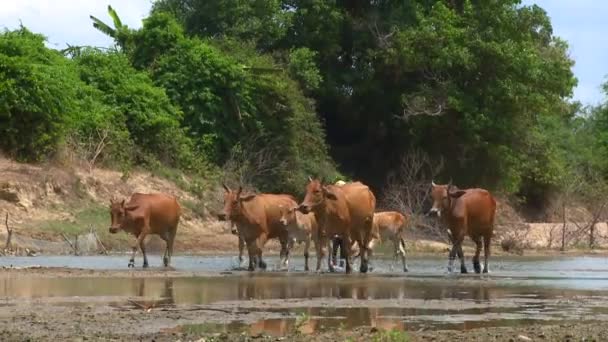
(483, 85)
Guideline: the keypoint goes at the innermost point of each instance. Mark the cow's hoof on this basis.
(405, 269)
(262, 265)
(477, 267)
(145, 265)
(166, 262)
(463, 270)
(363, 268)
(131, 264)
(486, 270)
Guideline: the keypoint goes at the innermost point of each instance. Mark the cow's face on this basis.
(117, 215)
(316, 194)
(232, 204)
(288, 215)
(442, 196)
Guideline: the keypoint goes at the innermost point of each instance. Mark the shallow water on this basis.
(520, 290)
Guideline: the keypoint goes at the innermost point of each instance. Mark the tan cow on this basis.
(466, 212)
(301, 228)
(390, 226)
(257, 218)
(146, 214)
(346, 211)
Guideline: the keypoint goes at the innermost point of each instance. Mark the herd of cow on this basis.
(330, 215)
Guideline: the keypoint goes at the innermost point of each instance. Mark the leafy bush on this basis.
(38, 92)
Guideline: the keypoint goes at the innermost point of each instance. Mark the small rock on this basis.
(374, 330)
(524, 338)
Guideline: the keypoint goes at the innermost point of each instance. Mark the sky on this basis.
(581, 22)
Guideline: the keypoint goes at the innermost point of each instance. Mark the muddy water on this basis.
(518, 291)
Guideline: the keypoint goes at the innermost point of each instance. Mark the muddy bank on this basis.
(203, 297)
(124, 322)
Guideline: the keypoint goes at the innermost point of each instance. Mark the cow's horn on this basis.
(309, 178)
(433, 183)
(225, 187)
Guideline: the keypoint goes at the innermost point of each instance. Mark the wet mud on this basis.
(538, 299)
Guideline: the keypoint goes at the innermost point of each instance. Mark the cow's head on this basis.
(288, 215)
(232, 203)
(442, 196)
(316, 194)
(118, 214)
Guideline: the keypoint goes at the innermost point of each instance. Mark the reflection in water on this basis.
(304, 325)
(498, 304)
(193, 290)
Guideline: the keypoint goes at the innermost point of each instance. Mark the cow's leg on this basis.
(142, 246)
(136, 245)
(286, 247)
(261, 242)
(476, 264)
(330, 245)
(463, 267)
(335, 243)
(345, 245)
(452, 256)
(241, 249)
(401, 250)
(253, 254)
(364, 253)
(320, 245)
(370, 254)
(486, 250)
(170, 243)
(306, 247)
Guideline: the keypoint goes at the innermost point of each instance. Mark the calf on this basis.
(302, 228)
(390, 226)
(465, 212)
(146, 214)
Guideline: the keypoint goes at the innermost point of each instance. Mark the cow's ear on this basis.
(131, 207)
(329, 194)
(457, 193)
(247, 197)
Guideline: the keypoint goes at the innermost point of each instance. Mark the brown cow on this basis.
(302, 228)
(257, 218)
(346, 211)
(465, 212)
(147, 214)
(390, 226)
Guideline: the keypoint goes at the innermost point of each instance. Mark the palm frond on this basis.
(115, 18)
(103, 27)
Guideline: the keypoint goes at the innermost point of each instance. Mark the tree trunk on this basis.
(563, 248)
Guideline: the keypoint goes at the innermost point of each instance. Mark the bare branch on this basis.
(407, 190)
(9, 234)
